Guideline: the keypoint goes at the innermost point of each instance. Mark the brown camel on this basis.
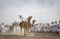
(26, 24)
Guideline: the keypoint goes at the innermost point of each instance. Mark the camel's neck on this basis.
(33, 23)
(28, 21)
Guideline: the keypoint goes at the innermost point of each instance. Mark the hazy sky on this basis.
(41, 10)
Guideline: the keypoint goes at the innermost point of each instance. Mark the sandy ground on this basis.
(31, 36)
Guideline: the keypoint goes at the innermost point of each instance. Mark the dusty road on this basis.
(36, 36)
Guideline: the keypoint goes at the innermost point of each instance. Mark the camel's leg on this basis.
(21, 30)
(27, 30)
(24, 32)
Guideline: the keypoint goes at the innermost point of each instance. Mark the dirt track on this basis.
(36, 36)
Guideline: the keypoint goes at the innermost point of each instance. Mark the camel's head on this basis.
(34, 21)
(29, 18)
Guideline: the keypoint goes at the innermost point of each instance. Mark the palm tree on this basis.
(6, 26)
(14, 24)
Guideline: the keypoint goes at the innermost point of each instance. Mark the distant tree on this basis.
(6, 26)
(14, 24)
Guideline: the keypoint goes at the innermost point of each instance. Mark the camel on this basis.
(26, 24)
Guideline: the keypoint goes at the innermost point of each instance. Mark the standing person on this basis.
(0, 28)
(21, 18)
(3, 30)
(2, 25)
